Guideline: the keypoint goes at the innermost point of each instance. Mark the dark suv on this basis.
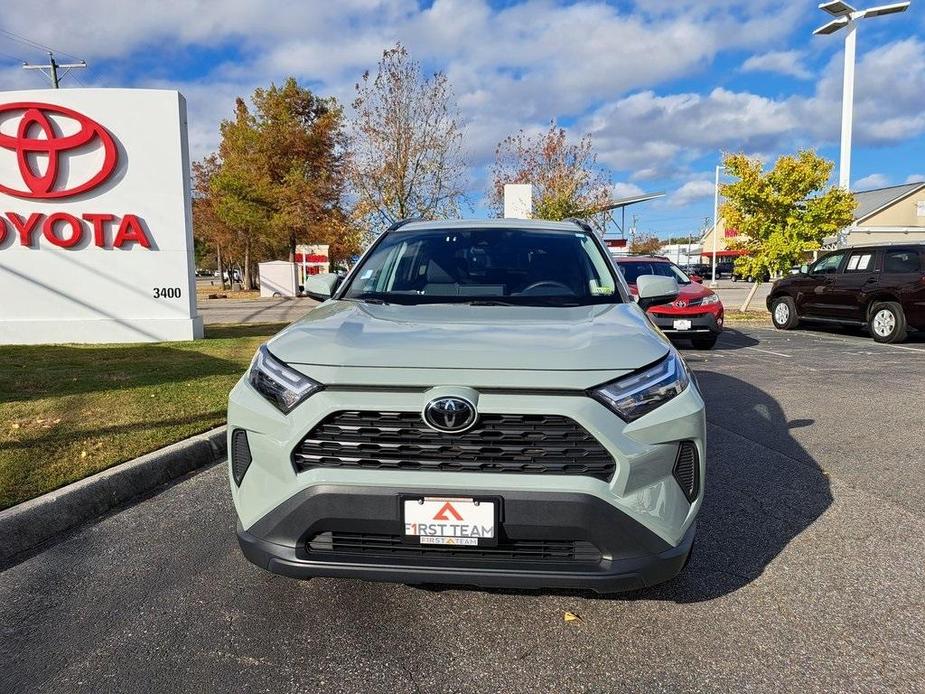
(881, 287)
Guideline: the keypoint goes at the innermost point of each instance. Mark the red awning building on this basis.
(724, 238)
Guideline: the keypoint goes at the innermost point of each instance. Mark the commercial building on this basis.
(894, 214)
(885, 215)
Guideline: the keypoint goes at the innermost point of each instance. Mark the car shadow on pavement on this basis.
(733, 339)
(763, 489)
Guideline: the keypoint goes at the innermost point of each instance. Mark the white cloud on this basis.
(626, 190)
(782, 62)
(515, 67)
(915, 178)
(876, 180)
(691, 192)
(659, 133)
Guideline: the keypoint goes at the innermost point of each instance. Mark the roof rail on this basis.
(402, 222)
(583, 225)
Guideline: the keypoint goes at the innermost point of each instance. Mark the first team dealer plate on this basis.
(682, 325)
(440, 520)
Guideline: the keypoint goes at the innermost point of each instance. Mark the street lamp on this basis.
(846, 16)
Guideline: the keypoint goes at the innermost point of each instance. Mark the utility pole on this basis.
(633, 233)
(53, 68)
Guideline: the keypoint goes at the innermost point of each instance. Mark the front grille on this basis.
(374, 545)
(532, 444)
(687, 470)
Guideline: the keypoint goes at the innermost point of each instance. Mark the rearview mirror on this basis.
(653, 290)
(321, 287)
(696, 278)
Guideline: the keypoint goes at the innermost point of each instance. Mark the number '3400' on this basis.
(167, 293)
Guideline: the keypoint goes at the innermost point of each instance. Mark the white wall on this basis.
(93, 291)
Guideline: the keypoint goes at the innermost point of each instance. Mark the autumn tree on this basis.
(278, 178)
(645, 244)
(406, 140)
(210, 232)
(242, 189)
(302, 144)
(566, 178)
(782, 213)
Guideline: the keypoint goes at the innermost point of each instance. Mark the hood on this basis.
(348, 333)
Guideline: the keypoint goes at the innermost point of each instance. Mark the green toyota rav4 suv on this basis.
(479, 403)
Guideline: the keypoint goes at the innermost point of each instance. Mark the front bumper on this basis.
(628, 555)
(701, 323)
(639, 520)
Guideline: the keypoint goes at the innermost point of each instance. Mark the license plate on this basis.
(682, 325)
(449, 521)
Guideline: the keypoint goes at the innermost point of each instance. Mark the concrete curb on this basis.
(27, 525)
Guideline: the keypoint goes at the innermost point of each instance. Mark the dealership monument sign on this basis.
(95, 226)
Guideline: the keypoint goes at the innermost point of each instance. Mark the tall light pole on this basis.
(847, 17)
(719, 168)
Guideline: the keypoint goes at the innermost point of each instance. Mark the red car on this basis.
(697, 313)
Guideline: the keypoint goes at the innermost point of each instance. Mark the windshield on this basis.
(485, 266)
(632, 269)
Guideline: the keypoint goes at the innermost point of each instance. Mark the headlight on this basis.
(711, 299)
(637, 394)
(279, 384)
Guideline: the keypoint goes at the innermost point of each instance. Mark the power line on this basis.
(13, 57)
(35, 44)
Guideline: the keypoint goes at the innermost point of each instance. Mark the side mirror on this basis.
(804, 269)
(653, 290)
(696, 278)
(321, 287)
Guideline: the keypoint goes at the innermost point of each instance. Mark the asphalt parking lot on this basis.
(808, 573)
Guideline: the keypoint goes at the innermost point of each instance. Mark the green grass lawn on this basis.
(68, 411)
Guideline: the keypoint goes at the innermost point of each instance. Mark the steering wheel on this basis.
(548, 283)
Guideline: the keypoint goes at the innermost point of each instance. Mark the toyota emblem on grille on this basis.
(452, 415)
(680, 303)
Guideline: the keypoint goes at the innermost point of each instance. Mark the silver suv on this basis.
(479, 403)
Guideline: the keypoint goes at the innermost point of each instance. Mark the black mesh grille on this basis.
(687, 470)
(343, 543)
(533, 444)
(240, 455)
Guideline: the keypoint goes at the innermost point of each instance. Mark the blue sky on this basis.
(663, 87)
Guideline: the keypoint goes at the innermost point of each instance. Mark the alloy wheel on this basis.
(781, 313)
(884, 323)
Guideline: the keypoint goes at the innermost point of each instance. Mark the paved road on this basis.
(267, 310)
(807, 575)
(732, 294)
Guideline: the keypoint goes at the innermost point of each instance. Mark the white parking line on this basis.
(767, 351)
(823, 337)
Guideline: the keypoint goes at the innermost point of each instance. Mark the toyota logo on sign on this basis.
(453, 415)
(46, 138)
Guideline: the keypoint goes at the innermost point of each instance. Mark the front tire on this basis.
(784, 314)
(887, 322)
(704, 341)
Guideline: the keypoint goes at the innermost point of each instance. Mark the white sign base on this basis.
(99, 331)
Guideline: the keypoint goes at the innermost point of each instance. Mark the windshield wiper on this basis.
(372, 300)
(490, 302)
